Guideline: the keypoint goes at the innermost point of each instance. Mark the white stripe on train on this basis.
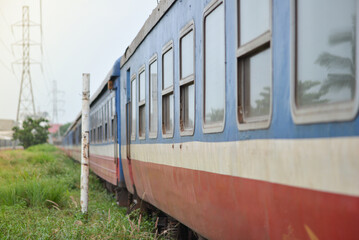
(325, 164)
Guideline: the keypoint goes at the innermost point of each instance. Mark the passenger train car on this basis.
(237, 118)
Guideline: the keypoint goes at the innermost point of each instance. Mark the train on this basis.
(237, 118)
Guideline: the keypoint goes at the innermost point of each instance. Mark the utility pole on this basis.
(26, 103)
(85, 149)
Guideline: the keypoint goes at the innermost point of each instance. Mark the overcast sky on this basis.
(79, 36)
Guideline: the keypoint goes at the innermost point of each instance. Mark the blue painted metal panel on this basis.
(282, 125)
(117, 86)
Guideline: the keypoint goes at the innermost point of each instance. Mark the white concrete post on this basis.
(85, 141)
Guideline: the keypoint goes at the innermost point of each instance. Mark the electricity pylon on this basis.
(26, 104)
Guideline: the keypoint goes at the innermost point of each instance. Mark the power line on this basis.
(6, 22)
(8, 49)
(11, 73)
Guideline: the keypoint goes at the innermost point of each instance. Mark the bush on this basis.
(33, 132)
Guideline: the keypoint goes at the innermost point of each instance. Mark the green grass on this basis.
(39, 199)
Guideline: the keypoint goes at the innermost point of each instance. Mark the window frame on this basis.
(188, 80)
(217, 127)
(332, 112)
(150, 62)
(110, 118)
(133, 134)
(255, 46)
(141, 103)
(169, 90)
(105, 125)
(113, 113)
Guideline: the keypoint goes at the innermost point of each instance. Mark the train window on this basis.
(133, 107)
(110, 118)
(142, 103)
(153, 97)
(94, 128)
(254, 86)
(100, 125)
(113, 123)
(106, 120)
(324, 86)
(74, 137)
(167, 90)
(113, 106)
(91, 132)
(187, 96)
(214, 68)
(80, 134)
(254, 19)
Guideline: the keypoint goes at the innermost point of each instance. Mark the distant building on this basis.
(54, 128)
(6, 126)
(6, 133)
(54, 136)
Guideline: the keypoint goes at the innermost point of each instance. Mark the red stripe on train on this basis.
(104, 167)
(226, 207)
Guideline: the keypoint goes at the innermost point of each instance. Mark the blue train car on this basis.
(104, 146)
(239, 118)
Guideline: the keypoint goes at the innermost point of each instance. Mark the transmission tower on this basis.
(55, 104)
(26, 104)
(55, 116)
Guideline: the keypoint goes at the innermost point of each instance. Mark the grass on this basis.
(39, 199)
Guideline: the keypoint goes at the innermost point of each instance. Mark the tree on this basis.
(340, 80)
(307, 96)
(34, 131)
(64, 128)
(263, 104)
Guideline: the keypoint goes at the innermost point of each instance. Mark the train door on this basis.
(128, 130)
(128, 116)
(130, 104)
(115, 138)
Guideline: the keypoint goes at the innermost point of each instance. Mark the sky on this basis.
(81, 36)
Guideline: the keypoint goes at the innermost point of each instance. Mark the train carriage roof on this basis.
(150, 23)
(112, 74)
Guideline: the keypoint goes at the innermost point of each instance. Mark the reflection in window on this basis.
(167, 69)
(214, 82)
(167, 117)
(114, 106)
(142, 121)
(187, 53)
(141, 105)
(255, 79)
(254, 19)
(133, 109)
(254, 63)
(141, 79)
(153, 97)
(187, 81)
(113, 123)
(167, 93)
(106, 120)
(187, 107)
(325, 51)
